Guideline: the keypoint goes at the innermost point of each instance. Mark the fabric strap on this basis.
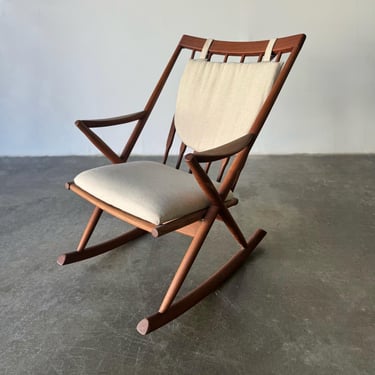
(205, 48)
(268, 52)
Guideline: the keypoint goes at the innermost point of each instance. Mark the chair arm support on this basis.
(224, 151)
(112, 121)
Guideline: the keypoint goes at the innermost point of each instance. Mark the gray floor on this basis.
(303, 304)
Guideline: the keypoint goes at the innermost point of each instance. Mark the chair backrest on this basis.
(217, 102)
(252, 74)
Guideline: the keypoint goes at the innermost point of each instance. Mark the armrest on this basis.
(193, 160)
(224, 151)
(112, 121)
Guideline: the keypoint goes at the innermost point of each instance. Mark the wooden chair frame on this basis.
(197, 224)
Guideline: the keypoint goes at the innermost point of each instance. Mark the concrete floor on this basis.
(303, 304)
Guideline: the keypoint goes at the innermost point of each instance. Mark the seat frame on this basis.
(196, 224)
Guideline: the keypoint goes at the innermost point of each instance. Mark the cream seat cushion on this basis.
(149, 190)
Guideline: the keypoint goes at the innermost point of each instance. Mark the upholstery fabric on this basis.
(218, 102)
(149, 190)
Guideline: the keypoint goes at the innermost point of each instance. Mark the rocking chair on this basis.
(221, 108)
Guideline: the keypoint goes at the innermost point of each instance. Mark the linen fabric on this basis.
(149, 190)
(218, 102)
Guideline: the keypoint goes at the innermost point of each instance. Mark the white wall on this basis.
(63, 60)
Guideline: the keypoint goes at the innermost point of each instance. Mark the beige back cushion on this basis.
(218, 102)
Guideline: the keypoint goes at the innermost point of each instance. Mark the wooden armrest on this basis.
(224, 151)
(193, 160)
(112, 121)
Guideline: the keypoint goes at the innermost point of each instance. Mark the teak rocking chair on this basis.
(221, 108)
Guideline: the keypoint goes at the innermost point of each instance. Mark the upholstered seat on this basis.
(151, 191)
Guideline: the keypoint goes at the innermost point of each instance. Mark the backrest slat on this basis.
(181, 154)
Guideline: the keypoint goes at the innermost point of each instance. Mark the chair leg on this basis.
(95, 216)
(233, 226)
(159, 319)
(188, 259)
